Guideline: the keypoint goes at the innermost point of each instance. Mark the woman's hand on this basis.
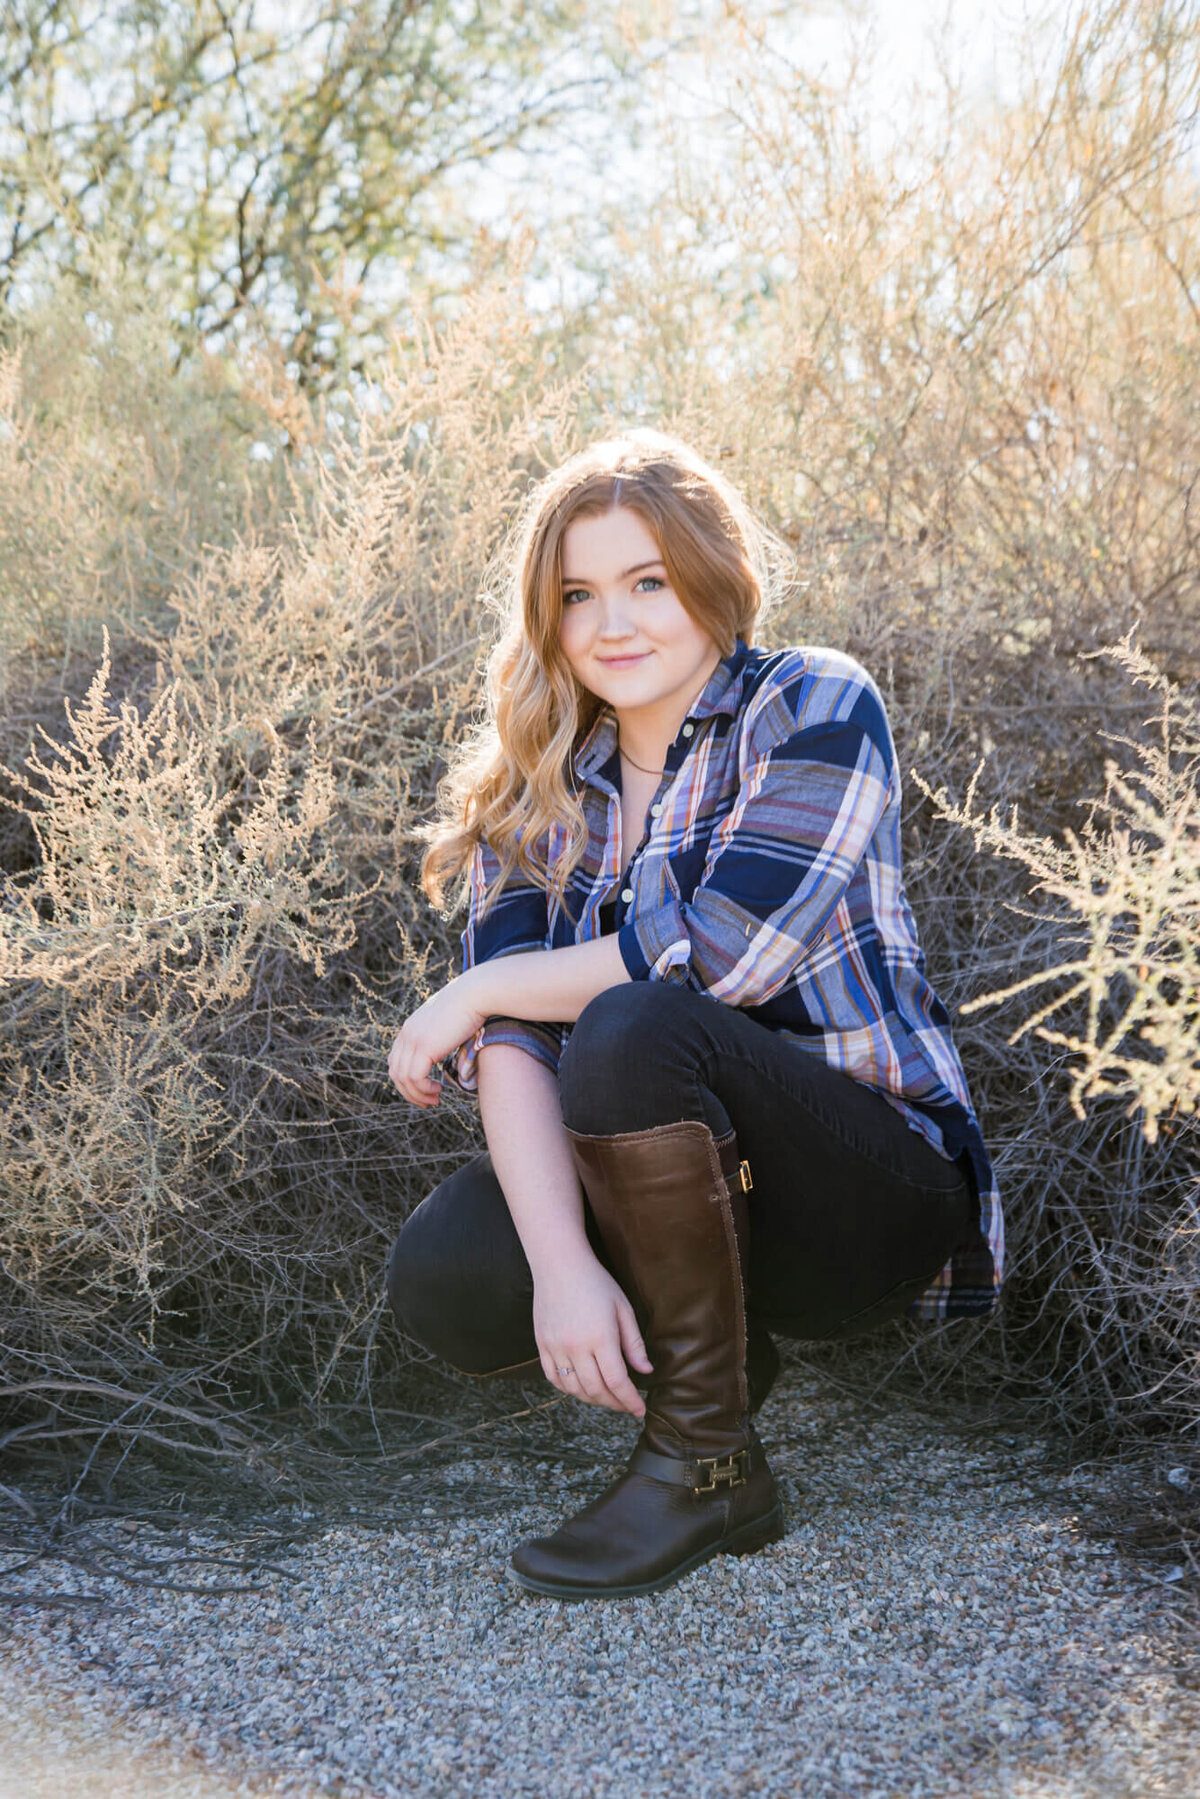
(439, 1025)
(584, 1323)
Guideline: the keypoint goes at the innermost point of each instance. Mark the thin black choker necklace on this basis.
(645, 771)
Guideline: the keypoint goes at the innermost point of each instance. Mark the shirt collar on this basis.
(721, 693)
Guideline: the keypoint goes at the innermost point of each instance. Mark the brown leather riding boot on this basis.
(670, 1205)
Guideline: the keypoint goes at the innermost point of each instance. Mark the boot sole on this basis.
(754, 1535)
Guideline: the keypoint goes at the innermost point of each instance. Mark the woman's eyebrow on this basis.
(578, 580)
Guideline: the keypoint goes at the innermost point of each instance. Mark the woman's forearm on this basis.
(522, 1120)
(551, 985)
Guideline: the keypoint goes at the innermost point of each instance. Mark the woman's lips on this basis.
(623, 661)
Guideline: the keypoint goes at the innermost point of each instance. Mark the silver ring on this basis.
(565, 1372)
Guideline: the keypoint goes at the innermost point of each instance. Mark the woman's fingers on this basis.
(419, 1088)
(561, 1372)
(616, 1379)
(601, 1343)
(420, 1095)
(602, 1379)
(566, 1375)
(596, 1388)
(577, 1373)
(633, 1347)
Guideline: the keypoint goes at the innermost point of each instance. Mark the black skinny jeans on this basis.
(852, 1213)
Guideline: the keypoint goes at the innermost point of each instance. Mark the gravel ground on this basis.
(943, 1617)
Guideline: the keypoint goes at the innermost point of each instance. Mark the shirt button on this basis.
(627, 895)
(688, 729)
(656, 808)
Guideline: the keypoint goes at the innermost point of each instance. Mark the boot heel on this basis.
(757, 1534)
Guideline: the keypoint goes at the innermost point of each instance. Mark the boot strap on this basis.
(702, 1473)
(740, 1181)
(735, 1170)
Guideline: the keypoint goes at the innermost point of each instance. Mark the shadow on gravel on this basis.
(949, 1613)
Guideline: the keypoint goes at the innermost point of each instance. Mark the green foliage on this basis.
(293, 161)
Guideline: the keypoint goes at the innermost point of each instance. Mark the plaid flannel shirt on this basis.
(770, 878)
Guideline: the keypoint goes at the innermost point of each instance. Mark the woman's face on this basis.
(618, 602)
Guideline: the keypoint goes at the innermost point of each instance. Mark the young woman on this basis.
(719, 1096)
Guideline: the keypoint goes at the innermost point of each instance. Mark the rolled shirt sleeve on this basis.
(812, 793)
(517, 921)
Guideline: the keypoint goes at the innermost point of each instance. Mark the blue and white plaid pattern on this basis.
(770, 879)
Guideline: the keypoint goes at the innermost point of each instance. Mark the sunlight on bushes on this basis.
(1131, 878)
(244, 611)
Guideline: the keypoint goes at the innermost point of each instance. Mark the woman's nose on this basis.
(615, 621)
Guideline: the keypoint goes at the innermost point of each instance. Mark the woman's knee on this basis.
(630, 1060)
(415, 1278)
(615, 1044)
(457, 1279)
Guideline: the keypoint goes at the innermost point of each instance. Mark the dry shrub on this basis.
(1107, 1267)
(211, 926)
(1129, 882)
(117, 463)
(961, 382)
(158, 894)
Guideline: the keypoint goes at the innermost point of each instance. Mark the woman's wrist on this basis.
(560, 1257)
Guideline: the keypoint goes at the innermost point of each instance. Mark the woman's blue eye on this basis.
(570, 592)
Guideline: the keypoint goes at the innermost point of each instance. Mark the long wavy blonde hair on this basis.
(511, 781)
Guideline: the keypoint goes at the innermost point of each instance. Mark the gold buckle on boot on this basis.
(731, 1470)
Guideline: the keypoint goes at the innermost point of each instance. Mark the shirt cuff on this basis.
(542, 1041)
(655, 945)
